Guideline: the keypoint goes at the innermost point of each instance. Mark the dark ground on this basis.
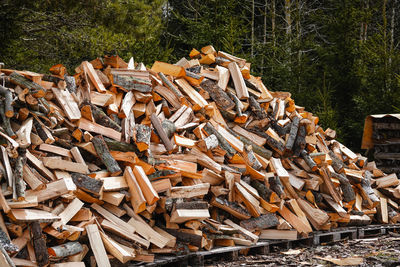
(379, 251)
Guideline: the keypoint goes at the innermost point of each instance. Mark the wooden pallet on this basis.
(266, 246)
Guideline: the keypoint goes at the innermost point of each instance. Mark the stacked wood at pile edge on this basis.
(119, 163)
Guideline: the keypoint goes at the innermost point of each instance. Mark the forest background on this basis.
(339, 58)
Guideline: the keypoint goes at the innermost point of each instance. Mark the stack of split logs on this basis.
(119, 163)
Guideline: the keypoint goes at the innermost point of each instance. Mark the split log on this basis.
(97, 246)
(142, 137)
(39, 244)
(256, 109)
(231, 207)
(87, 184)
(218, 95)
(101, 118)
(276, 186)
(19, 183)
(8, 99)
(240, 86)
(293, 133)
(137, 199)
(366, 186)
(65, 250)
(105, 156)
(337, 164)
(310, 162)
(300, 142)
(160, 131)
(263, 222)
(34, 89)
(187, 236)
(347, 189)
(222, 141)
(260, 150)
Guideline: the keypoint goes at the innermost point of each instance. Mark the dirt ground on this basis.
(379, 251)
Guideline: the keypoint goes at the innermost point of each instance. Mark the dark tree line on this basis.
(338, 58)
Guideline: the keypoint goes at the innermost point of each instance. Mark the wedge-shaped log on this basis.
(168, 69)
(262, 222)
(142, 138)
(317, 217)
(105, 156)
(121, 252)
(87, 184)
(94, 78)
(97, 246)
(68, 213)
(137, 199)
(240, 85)
(183, 215)
(220, 97)
(68, 103)
(147, 189)
(31, 215)
(59, 164)
(272, 234)
(189, 191)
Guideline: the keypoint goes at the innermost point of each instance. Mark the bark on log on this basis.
(66, 249)
(220, 97)
(188, 238)
(35, 89)
(192, 205)
(263, 222)
(262, 151)
(337, 164)
(274, 144)
(161, 133)
(256, 109)
(170, 85)
(293, 133)
(39, 244)
(86, 183)
(276, 186)
(6, 243)
(142, 137)
(8, 98)
(71, 84)
(300, 142)
(262, 190)
(366, 185)
(19, 182)
(310, 162)
(237, 102)
(231, 207)
(40, 131)
(347, 189)
(101, 118)
(169, 127)
(119, 146)
(6, 121)
(230, 151)
(252, 160)
(104, 153)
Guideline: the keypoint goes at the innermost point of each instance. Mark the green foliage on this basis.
(42, 33)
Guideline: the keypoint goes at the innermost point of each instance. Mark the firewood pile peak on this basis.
(120, 162)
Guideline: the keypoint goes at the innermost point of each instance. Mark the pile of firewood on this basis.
(120, 162)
